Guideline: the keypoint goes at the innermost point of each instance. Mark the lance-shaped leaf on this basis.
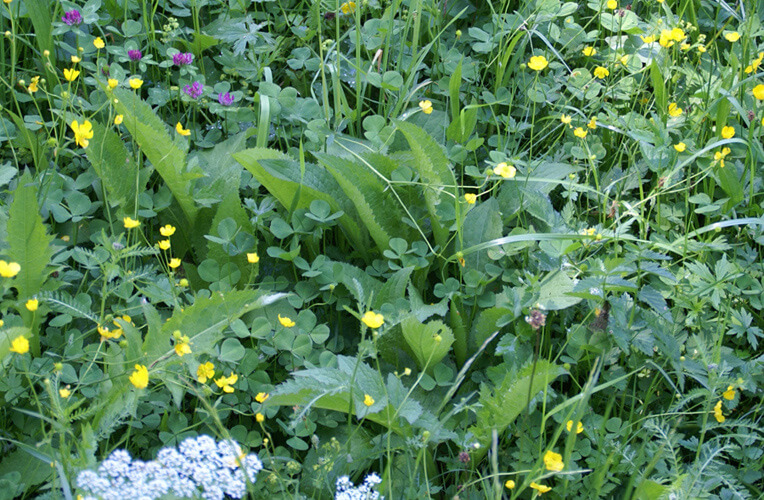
(168, 156)
(284, 178)
(432, 165)
(501, 405)
(377, 206)
(28, 241)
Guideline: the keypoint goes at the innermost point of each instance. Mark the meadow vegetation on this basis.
(449, 249)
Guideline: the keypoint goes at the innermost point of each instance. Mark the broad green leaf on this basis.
(428, 342)
(376, 206)
(553, 294)
(482, 223)
(501, 405)
(28, 240)
(394, 288)
(344, 388)
(434, 171)
(222, 173)
(39, 13)
(167, 156)
(116, 168)
(230, 208)
(283, 178)
(203, 322)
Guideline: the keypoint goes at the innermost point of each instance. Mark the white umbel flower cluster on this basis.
(199, 468)
(346, 490)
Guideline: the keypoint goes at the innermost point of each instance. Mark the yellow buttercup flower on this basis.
(76, 59)
(164, 244)
(33, 85)
(674, 110)
(259, 417)
(592, 123)
(32, 304)
(372, 319)
(728, 132)
(261, 397)
(174, 263)
(130, 223)
(426, 107)
(167, 230)
(565, 119)
(680, 147)
(113, 82)
(64, 393)
(182, 346)
(623, 59)
(182, 131)
(601, 72)
(82, 133)
(505, 171)
(135, 83)
(253, 258)
(553, 461)
(286, 321)
(729, 394)
(226, 383)
(510, 485)
(109, 334)
(758, 92)
(9, 269)
(647, 39)
(685, 47)
(579, 426)
(732, 36)
(589, 51)
(98, 43)
(368, 400)
(718, 415)
(538, 63)
(347, 8)
(612, 4)
(71, 74)
(540, 488)
(470, 198)
(206, 371)
(580, 132)
(20, 345)
(140, 377)
(118, 119)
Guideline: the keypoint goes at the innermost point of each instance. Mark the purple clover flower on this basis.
(226, 99)
(194, 91)
(182, 58)
(135, 55)
(72, 17)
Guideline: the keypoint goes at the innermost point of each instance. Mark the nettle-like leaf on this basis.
(432, 166)
(428, 342)
(296, 188)
(167, 156)
(377, 207)
(28, 240)
(203, 322)
(344, 389)
(115, 167)
(501, 405)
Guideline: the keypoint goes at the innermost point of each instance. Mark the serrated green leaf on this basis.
(115, 167)
(28, 241)
(283, 178)
(378, 209)
(501, 405)
(167, 156)
(482, 223)
(432, 165)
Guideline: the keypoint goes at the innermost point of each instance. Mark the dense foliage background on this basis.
(481, 249)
